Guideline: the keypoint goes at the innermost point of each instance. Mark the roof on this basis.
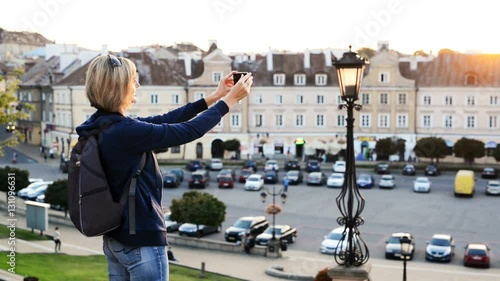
(41, 73)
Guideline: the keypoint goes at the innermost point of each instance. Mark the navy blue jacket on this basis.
(122, 142)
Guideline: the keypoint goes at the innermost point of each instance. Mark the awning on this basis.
(490, 144)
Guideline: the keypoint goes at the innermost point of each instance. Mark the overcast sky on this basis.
(257, 25)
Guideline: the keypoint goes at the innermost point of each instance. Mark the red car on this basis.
(477, 255)
(226, 182)
(244, 174)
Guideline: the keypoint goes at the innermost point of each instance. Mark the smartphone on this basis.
(238, 75)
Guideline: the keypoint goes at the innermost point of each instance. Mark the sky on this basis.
(255, 26)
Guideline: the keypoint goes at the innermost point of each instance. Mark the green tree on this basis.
(469, 149)
(385, 147)
(57, 195)
(21, 179)
(232, 145)
(198, 208)
(496, 153)
(432, 147)
(366, 52)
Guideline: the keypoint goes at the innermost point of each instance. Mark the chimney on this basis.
(413, 63)
(269, 60)
(187, 64)
(382, 44)
(328, 57)
(307, 59)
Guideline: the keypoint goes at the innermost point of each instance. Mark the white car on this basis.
(215, 164)
(331, 243)
(254, 182)
(422, 184)
(272, 165)
(386, 181)
(493, 188)
(393, 246)
(339, 167)
(335, 180)
(23, 193)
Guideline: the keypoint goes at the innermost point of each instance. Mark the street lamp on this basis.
(350, 69)
(263, 196)
(405, 252)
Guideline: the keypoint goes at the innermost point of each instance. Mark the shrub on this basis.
(323, 275)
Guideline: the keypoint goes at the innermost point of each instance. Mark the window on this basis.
(320, 79)
(176, 99)
(235, 120)
(320, 120)
(153, 98)
(299, 120)
(427, 100)
(278, 120)
(471, 122)
(384, 98)
(383, 77)
(426, 121)
(259, 120)
(258, 99)
(299, 79)
(365, 98)
(383, 121)
(340, 120)
(448, 121)
(299, 99)
(279, 99)
(320, 99)
(365, 121)
(199, 95)
(43, 96)
(492, 122)
(279, 79)
(470, 80)
(402, 98)
(175, 149)
(402, 120)
(493, 100)
(339, 99)
(448, 100)
(216, 77)
(470, 100)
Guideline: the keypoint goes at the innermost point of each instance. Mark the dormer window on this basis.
(279, 79)
(470, 80)
(383, 77)
(299, 79)
(320, 79)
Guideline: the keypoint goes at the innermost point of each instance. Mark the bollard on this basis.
(203, 269)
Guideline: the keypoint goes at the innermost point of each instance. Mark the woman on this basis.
(110, 87)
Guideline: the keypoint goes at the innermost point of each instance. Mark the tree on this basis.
(384, 148)
(57, 195)
(11, 111)
(21, 179)
(232, 145)
(420, 53)
(469, 149)
(198, 208)
(432, 147)
(366, 52)
(496, 153)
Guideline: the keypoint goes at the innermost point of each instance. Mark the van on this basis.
(465, 183)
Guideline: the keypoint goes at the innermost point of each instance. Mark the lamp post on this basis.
(350, 69)
(405, 252)
(274, 193)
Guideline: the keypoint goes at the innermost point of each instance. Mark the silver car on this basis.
(493, 188)
(386, 181)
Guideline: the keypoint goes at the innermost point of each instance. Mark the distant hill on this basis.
(23, 38)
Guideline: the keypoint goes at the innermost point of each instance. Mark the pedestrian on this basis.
(170, 254)
(45, 156)
(110, 86)
(249, 243)
(57, 239)
(63, 156)
(51, 153)
(14, 157)
(286, 182)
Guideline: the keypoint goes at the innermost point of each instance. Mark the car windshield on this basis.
(422, 180)
(225, 179)
(337, 176)
(383, 165)
(253, 179)
(364, 177)
(242, 223)
(440, 242)
(277, 231)
(394, 240)
(387, 178)
(197, 177)
(494, 184)
(292, 173)
(476, 252)
(488, 169)
(334, 236)
(246, 173)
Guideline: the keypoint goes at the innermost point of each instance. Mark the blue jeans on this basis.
(127, 263)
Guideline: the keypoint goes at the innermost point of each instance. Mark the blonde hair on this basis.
(106, 85)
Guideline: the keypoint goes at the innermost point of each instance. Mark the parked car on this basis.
(440, 248)
(281, 232)
(199, 179)
(382, 168)
(339, 167)
(295, 176)
(172, 226)
(422, 184)
(225, 181)
(489, 173)
(365, 181)
(393, 246)
(254, 182)
(244, 174)
(244, 226)
(194, 165)
(477, 255)
(409, 170)
(335, 180)
(250, 164)
(190, 229)
(331, 244)
(214, 164)
(432, 170)
(226, 172)
(64, 166)
(316, 178)
(32, 194)
(292, 165)
(271, 177)
(272, 165)
(313, 166)
(177, 171)
(23, 193)
(387, 181)
(493, 188)
(171, 180)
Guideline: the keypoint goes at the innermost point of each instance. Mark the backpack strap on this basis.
(131, 196)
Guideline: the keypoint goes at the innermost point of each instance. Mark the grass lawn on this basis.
(85, 268)
(22, 234)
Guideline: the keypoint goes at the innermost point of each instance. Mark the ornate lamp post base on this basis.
(342, 273)
(273, 249)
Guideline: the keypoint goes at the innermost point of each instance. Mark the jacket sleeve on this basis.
(181, 114)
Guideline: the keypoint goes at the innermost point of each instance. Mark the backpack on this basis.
(90, 202)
